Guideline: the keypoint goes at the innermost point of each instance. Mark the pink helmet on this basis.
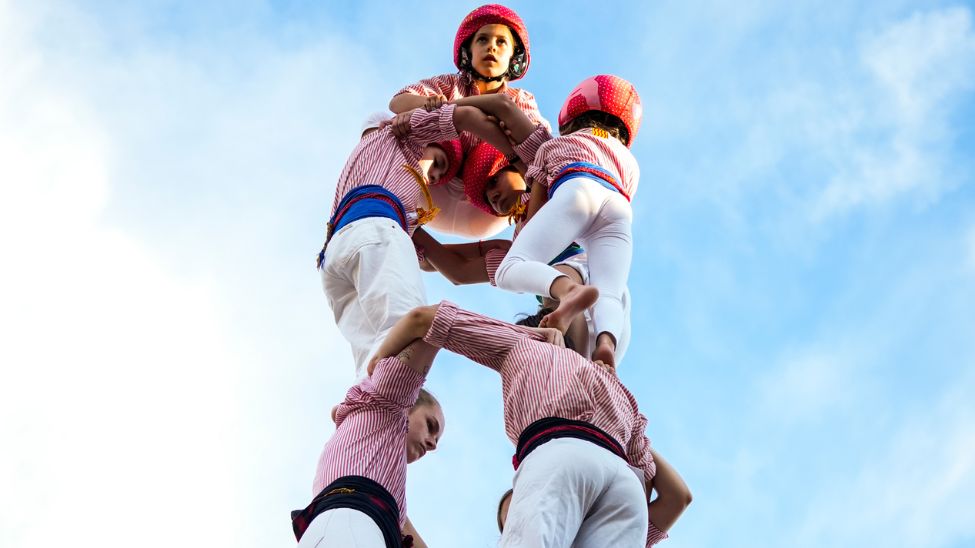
(482, 164)
(455, 157)
(605, 93)
(494, 14)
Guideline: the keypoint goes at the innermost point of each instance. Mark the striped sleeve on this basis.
(393, 386)
(528, 148)
(431, 127)
(655, 535)
(482, 339)
(638, 449)
(492, 260)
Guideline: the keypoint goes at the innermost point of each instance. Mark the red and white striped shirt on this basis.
(370, 433)
(456, 85)
(547, 156)
(379, 158)
(541, 380)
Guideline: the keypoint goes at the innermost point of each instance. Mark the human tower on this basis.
(465, 153)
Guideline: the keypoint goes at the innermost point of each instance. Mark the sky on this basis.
(803, 289)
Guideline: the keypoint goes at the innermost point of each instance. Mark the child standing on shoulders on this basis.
(585, 178)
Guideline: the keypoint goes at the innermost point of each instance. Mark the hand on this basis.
(507, 133)
(549, 335)
(400, 123)
(606, 366)
(435, 102)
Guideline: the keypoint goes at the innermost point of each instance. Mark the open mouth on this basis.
(490, 58)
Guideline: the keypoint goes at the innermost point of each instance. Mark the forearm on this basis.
(459, 263)
(505, 110)
(405, 102)
(474, 120)
(407, 330)
(673, 495)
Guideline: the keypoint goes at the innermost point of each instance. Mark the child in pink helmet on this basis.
(586, 178)
(491, 49)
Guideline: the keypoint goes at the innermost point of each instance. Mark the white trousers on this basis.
(581, 265)
(342, 528)
(599, 219)
(573, 493)
(371, 279)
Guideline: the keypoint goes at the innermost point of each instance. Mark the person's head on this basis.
(604, 102)
(441, 161)
(532, 320)
(503, 506)
(425, 426)
(491, 184)
(492, 44)
(373, 122)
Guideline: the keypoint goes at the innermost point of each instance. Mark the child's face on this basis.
(491, 49)
(504, 191)
(424, 429)
(434, 163)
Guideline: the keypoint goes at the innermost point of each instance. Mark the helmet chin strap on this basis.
(478, 76)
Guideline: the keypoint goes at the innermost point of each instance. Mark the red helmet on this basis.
(494, 14)
(482, 164)
(455, 157)
(605, 93)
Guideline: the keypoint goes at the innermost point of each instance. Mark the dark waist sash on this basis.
(550, 428)
(358, 493)
(360, 203)
(589, 171)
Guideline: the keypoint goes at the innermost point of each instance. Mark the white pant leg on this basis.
(342, 528)
(371, 279)
(581, 265)
(609, 246)
(619, 516)
(554, 490)
(557, 224)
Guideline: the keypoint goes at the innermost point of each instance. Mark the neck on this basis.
(488, 87)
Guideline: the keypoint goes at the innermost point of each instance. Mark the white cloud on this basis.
(144, 393)
(914, 489)
(918, 68)
(806, 387)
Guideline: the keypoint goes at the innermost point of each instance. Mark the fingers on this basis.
(507, 132)
(435, 102)
(401, 124)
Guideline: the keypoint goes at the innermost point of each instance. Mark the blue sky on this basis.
(804, 288)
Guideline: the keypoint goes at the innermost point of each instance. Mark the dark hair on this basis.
(501, 503)
(599, 120)
(534, 319)
(516, 65)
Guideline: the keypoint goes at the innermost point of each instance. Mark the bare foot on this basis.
(605, 351)
(579, 298)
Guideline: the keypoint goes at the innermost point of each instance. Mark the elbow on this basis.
(421, 318)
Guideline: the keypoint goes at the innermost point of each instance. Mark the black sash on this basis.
(550, 428)
(358, 493)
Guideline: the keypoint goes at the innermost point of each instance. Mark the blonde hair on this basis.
(426, 398)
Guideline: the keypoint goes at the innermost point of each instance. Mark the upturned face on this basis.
(425, 426)
(504, 191)
(434, 163)
(491, 49)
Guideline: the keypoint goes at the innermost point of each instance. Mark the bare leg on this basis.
(605, 350)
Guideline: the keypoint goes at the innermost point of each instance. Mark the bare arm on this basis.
(474, 120)
(407, 101)
(459, 263)
(504, 109)
(408, 529)
(673, 495)
(402, 341)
